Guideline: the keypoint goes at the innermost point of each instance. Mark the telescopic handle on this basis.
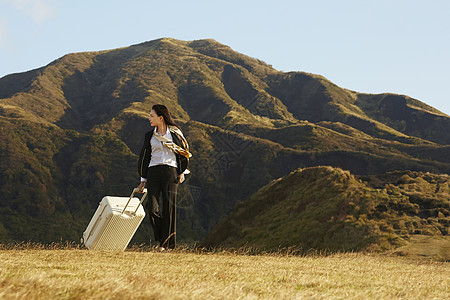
(136, 190)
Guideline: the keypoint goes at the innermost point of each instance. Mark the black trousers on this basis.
(162, 180)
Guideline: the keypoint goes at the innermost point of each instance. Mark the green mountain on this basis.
(329, 209)
(71, 132)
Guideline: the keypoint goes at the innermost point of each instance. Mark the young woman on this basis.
(162, 165)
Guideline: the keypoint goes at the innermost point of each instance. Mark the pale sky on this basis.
(371, 46)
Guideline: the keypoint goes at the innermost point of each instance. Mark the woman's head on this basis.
(160, 115)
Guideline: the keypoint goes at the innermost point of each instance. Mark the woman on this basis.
(162, 165)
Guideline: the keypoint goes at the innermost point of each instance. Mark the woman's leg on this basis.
(152, 205)
(168, 222)
(173, 221)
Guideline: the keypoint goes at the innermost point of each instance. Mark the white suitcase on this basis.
(114, 223)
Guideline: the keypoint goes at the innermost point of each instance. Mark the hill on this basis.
(71, 131)
(329, 209)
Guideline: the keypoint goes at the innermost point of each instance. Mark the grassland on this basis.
(33, 273)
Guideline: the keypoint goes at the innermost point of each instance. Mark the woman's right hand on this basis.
(141, 187)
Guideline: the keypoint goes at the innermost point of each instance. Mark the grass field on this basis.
(80, 274)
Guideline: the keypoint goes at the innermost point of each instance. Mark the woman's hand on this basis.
(141, 186)
(181, 178)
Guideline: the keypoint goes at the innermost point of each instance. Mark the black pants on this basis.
(162, 180)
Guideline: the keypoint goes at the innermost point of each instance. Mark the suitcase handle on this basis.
(132, 194)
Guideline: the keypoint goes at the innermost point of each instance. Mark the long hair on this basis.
(161, 110)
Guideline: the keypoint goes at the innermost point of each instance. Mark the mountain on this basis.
(71, 132)
(328, 208)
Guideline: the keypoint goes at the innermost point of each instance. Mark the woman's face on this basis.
(155, 120)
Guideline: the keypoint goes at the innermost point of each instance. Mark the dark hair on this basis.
(161, 110)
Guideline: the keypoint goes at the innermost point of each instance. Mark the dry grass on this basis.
(35, 273)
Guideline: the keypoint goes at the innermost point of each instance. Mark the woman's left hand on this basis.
(181, 178)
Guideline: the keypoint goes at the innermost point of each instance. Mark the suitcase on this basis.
(114, 222)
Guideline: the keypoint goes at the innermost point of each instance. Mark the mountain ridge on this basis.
(246, 122)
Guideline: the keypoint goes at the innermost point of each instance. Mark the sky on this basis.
(369, 46)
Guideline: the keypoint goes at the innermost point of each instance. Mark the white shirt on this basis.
(161, 155)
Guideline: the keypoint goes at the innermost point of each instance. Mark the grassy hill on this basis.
(330, 209)
(71, 131)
